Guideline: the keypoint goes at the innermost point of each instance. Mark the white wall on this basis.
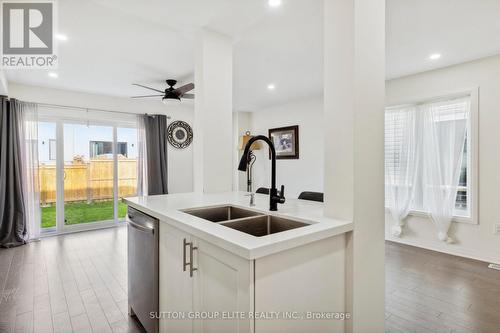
(304, 174)
(180, 161)
(475, 241)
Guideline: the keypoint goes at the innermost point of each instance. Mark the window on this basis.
(397, 123)
(424, 137)
(462, 202)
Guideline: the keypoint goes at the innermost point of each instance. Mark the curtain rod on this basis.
(86, 109)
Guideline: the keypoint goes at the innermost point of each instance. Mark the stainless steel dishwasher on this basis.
(143, 286)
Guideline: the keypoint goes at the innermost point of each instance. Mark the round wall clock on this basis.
(180, 134)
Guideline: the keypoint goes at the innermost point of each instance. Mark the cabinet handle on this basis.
(190, 263)
(191, 250)
(186, 243)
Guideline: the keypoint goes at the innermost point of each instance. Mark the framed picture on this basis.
(286, 142)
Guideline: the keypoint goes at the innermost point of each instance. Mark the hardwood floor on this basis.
(70, 283)
(78, 283)
(429, 291)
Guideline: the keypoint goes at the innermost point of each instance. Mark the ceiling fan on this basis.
(170, 94)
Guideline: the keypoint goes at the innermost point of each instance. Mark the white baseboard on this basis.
(452, 249)
(494, 266)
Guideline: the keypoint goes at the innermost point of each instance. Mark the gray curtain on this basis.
(13, 226)
(156, 143)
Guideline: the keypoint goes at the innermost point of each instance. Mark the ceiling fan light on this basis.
(171, 100)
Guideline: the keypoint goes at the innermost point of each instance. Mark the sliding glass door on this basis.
(85, 171)
(47, 155)
(127, 166)
(88, 174)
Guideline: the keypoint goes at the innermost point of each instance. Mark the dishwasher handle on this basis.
(141, 227)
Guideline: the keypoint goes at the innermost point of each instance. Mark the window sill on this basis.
(457, 218)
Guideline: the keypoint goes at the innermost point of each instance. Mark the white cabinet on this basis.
(221, 284)
(176, 288)
(292, 284)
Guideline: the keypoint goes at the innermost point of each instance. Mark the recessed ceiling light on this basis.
(435, 56)
(53, 75)
(61, 37)
(274, 3)
(271, 87)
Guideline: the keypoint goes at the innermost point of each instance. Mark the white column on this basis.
(213, 125)
(354, 85)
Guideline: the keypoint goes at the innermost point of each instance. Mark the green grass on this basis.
(82, 212)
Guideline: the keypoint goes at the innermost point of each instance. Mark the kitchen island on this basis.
(254, 271)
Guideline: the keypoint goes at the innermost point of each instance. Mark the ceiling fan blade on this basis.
(184, 89)
(140, 85)
(188, 96)
(147, 96)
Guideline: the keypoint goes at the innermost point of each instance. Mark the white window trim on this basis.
(473, 167)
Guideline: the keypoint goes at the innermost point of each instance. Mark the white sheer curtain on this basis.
(444, 133)
(142, 176)
(28, 132)
(401, 154)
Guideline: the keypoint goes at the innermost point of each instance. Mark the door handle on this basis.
(190, 263)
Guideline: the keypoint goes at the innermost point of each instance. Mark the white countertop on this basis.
(167, 209)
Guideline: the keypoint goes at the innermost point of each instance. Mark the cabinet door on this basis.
(176, 287)
(223, 282)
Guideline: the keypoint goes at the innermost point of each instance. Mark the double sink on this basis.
(247, 221)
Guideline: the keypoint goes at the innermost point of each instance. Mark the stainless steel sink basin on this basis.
(264, 225)
(221, 213)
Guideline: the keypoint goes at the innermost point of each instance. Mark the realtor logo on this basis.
(28, 34)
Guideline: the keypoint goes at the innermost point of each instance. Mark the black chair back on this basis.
(311, 196)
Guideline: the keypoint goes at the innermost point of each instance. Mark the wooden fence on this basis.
(89, 181)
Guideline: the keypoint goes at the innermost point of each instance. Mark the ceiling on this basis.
(113, 43)
(459, 30)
